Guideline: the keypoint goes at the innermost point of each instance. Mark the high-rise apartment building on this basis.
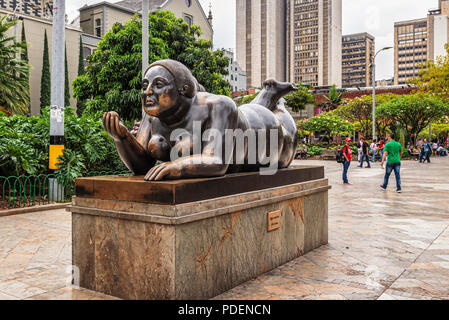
(357, 55)
(416, 41)
(261, 40)
(314, 42)
(32, 8)
(410, 45)
(293, 40)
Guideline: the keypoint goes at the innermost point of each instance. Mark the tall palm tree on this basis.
(333, 101)
(14, 88)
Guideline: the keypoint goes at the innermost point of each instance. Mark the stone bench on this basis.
(328, 154)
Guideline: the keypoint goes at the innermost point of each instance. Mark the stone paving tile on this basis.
(382, 245)
(378, 241)
(70, 293)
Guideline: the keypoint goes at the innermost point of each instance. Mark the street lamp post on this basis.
(57, 84)
(145, 35)
(373, 68)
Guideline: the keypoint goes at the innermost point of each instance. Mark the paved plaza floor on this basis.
(382, 245)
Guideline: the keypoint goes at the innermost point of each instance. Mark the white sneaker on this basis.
(382, 188)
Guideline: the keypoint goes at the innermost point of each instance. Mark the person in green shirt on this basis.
(393, 150)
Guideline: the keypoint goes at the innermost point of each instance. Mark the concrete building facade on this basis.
(420, 40)
(411, 48)
(261, 40)
(97, 19)
(314, 42)
(357, 56)
(36, 24)
(236, 76)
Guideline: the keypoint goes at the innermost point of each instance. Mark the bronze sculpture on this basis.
(172, 100)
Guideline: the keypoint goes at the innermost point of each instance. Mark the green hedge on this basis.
(25, 141)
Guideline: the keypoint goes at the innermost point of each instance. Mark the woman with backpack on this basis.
(346, 157)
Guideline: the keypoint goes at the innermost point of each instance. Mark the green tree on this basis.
(246, 99)
(14, 86)
(434, 77)
(80, 104)
(297, 100)
(440, 131)
(360, 110)
(66, 80)
(333, 100)
(24, 57)
(414, 112)
(326, 123)
(113, 76)
(45, 78)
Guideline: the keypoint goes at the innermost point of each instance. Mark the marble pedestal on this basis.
(193, 239)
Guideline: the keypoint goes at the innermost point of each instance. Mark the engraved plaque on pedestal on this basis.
(274, 220)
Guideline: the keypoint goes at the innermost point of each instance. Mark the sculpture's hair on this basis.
(186, 83)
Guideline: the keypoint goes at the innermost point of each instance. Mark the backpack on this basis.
(340, 156)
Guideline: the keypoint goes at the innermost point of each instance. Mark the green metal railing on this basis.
(27, 191)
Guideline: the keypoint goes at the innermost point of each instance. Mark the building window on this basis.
(98, 27)
(86, 53)
(188, 19)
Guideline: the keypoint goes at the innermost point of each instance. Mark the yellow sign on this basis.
(274, 220)
(55, 152)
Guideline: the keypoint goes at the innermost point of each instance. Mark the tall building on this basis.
(37, 18)
(236, 76)
(261, 41)
(416, 41)
(410, 47)
(314, 42)
(357, 55)
(31, 8)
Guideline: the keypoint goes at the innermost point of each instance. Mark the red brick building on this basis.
(356, 93)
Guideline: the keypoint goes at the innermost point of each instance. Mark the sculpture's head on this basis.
(279, 88)
(167, 86)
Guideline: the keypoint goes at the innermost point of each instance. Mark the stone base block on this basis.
(193, 250)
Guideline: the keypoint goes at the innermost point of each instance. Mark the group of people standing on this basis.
(425, 149)
(366, 152)
(391, 153)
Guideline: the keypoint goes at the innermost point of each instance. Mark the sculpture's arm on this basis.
(132, 151)
(213, 161)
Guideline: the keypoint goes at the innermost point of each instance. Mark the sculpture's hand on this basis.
(113, 126)
(168, 170)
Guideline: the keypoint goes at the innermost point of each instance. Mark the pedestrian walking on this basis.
(373, 151)
(347, 153)
(381, 148)
(427, 148)
(360, 150)
(392, 150)
(365, 149)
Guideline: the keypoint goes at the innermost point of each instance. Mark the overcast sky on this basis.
(376, 17)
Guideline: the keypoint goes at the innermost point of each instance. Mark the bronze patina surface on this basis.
(173, 99)
(176, 192)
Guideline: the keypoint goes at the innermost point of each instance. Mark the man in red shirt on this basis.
(347, 152)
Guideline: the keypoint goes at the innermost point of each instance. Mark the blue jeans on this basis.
(365, 156)
(421, 156)
(346, 165)
(397, 171)
(427, 156)
(373, 159)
